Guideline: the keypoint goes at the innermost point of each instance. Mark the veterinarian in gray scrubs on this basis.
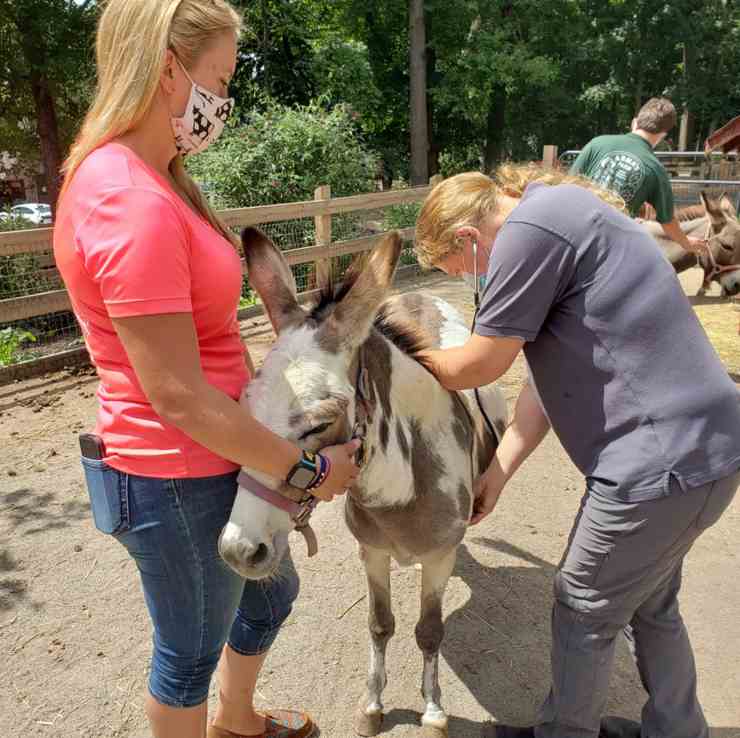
(623, 373)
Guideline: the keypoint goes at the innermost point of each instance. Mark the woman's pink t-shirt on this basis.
(127, 245)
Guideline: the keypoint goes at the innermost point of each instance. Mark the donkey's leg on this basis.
(705, 285)
(429, 634)
(382, 625)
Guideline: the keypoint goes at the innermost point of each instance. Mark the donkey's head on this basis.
(724, 241)
(305, 391)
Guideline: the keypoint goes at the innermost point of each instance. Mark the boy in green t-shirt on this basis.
(626, 164)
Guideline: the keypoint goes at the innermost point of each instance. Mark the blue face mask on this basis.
(469, 280)
(476, 282)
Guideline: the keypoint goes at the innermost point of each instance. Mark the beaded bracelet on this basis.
(323, 473)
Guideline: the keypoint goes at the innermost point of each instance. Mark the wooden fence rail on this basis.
(39, 241)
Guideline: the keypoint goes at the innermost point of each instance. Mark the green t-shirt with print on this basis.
(626, 164)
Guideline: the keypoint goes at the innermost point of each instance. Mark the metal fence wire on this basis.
(683, 164)
(29, 274)
(687, 192)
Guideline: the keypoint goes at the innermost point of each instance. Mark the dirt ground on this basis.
(75, 637)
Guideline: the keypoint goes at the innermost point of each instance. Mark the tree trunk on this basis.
(434, 149)
(687, 119)
(495, 129)
(48, 129)
(418, 89)
(638, 91)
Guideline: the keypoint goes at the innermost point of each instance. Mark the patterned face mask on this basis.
(204, 119)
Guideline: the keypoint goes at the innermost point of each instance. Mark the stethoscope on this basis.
(476, 303)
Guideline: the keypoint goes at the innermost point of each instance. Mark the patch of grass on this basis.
(720, 321)
(12, 341)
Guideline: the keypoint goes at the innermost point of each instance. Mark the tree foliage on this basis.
(46, 71)
(283, 154)
(503, 77)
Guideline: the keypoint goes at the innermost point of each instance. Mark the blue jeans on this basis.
(170, 527)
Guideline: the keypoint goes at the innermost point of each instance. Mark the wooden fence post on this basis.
(323, 236)
(550, 157)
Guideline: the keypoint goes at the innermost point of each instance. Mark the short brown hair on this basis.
(657, 115)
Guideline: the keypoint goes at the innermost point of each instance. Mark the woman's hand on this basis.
(525, 432)
(698, 245)
(343, 470)
(486, 490)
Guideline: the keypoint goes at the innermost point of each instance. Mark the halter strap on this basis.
(716, 268)
(300, 512)
(298, 503)
(363, 408)
(293, 508)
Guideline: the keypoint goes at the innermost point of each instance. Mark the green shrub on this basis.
(14, 223)
(19, 275)
(456, 159)
(282, 155)
(401, 216)
(12, 341)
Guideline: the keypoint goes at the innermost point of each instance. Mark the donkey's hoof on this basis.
(367, 724)
(433, 731)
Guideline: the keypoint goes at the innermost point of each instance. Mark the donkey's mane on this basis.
(399, 329)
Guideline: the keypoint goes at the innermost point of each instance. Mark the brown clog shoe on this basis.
(279, 724)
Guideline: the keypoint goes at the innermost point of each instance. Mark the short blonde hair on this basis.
(133, 38)
(466, 199)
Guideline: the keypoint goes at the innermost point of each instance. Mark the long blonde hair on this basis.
(466, 199)
(132, 40)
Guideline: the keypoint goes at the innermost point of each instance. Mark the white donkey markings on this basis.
(424, 446)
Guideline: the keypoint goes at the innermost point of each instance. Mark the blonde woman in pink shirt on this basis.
(155, 280)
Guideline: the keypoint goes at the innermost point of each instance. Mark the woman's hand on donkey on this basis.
(343, 471)
(486, 492)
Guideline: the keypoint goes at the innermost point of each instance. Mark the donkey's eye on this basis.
(316, 430)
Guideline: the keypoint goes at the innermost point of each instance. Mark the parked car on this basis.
(38, 213)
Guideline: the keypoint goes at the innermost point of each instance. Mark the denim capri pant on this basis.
(170, 527)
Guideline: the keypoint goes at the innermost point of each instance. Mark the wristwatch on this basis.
(306, 472)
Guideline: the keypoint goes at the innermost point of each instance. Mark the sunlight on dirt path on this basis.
(75, 637)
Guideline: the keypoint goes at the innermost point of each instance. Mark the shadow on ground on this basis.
(27, 511)
(706, 300)
(498, 642)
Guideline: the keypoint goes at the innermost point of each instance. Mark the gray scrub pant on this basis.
(621, 572)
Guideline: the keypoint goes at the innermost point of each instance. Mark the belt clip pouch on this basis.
(108, 494)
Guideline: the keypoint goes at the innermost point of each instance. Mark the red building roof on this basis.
(726, 138)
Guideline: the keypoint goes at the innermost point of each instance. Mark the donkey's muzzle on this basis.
(249, 560)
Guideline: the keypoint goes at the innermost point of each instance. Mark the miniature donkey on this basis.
(715, 220)
(348, 362)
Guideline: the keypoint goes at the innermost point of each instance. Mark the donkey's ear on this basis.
(726, 205)
(272, 278)
(352, 319)
(713, 210)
